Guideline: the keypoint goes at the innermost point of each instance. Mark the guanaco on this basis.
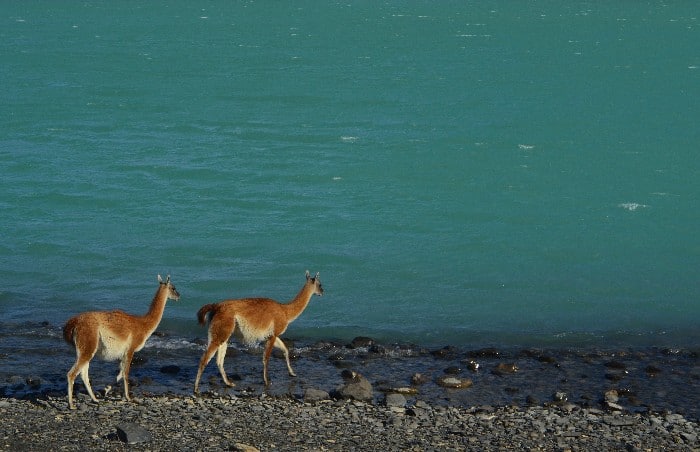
(113, 335)
(253, 320)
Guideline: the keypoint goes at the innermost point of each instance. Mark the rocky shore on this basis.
(360, 395)
(267, 423)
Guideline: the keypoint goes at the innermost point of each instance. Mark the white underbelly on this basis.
(111, 348)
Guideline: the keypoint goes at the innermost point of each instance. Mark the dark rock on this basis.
(361, 341)
(615, 365)
(488, 352)
(33, 382)
(419, 379)
(377, 349)
(131, 433)
(652, 370)
(170, 370)
(532, 400)
(615, 376)
(546, 359)
(560, 397)
(472, 365)
(505, 368)
(453, 370)
(446, 352)
(356, 387)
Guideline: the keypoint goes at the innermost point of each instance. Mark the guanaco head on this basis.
(318, 288)
(173, 294)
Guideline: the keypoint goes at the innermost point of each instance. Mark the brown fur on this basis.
(112, 335)
(253, 320)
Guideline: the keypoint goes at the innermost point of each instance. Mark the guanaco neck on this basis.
(299, 303)
(155, 311)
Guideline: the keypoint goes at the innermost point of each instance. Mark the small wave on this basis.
(632, 206)
(349, 139)
(171, 343)
(525, 147)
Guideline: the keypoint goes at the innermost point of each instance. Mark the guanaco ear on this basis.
(167, 280)
(317, 274)
(160, 279)
(307, 275)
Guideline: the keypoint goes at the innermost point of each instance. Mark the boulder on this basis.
(131, 433)
(356, 387)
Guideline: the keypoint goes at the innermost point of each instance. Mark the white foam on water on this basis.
(632, 206)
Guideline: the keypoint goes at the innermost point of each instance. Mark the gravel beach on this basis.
(266, 423)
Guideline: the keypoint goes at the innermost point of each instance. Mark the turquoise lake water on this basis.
(458, 172)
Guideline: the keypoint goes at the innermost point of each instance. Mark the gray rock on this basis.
(394, 400)
(454, 382)
(312, 395)
(356, 387)
(131, 433)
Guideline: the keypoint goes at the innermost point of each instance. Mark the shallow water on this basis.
(647, 379)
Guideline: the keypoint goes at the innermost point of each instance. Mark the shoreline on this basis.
(646, 379)
(357, 395)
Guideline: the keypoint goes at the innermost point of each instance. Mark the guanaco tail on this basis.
(253, 320)
(113, 335)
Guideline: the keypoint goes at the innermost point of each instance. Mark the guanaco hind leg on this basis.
(220, 355)
(206, 357)
(220, 330)
(81, 366)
